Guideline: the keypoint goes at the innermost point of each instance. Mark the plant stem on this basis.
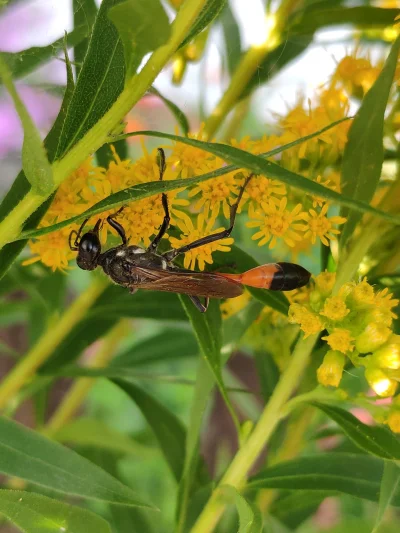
(251, 449)
(79, 390)
(247, 66)
(135, 88)
(43, 349)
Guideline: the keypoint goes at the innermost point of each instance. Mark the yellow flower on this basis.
(388, 356)
(216, 193)
(309, 322)
(276, 222)
(52, 250)
(202, 255)
(335, 308)
(189, 160)
(362, 294)
(261, 189)
(340, 339)
(318, 201)
(393, 420)
(380, 383)
(383, 299)
(331, 370)
(319, 225)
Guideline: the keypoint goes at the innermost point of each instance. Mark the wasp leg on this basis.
(164, 226)
(201, 307)
(77, 234)
(117, 226)
(170, 256)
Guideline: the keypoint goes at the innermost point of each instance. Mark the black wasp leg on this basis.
(118, 228)
(201, 307)
(164, 226)
(77, 234)
(170, 256)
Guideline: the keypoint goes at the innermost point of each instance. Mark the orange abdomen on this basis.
(273, 276)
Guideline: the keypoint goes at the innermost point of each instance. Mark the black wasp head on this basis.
(89, 249)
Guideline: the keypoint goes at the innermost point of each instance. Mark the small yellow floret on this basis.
(341, 340)
(324, 282)
(331, 370)
(373, 336)
(380, 383)
(335, 308)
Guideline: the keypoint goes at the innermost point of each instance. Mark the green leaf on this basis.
(376, 440)
(100, 82)
(178, 113)
(142, 26)
(21, 186)
(22, 63)
(168, 429)
(94, 433)
(267, 372)
(31, 456)
(84, 15)
(208, 331)
(312, 20)
(145, 190)
(363, 154)
(170, 344)
(294, 507)
(209, 12)
(233, 47)
(34, 513)
(36, 166)
(115, 303)
(250, 517)
(355, 474)
(389, 487)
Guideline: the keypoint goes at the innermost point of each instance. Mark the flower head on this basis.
(203, 254)
(319, 225)
(335, 308)
(276, 221)
(331, 370)
(340, 339)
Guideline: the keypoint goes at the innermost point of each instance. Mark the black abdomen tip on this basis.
(289, 277)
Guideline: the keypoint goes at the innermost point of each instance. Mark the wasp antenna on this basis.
(161, 162)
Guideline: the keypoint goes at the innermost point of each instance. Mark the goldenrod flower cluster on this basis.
(358, 323)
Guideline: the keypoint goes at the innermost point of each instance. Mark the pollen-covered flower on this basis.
(203, 254)
(335, 308)
(263, 190)
(216, 193)
(310, 323)
(331, 370)
(340, 339)
(319, 225)
(276, 222)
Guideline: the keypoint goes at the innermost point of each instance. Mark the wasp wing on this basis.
(204, 284)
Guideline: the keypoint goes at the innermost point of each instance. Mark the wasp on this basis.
(136, 268)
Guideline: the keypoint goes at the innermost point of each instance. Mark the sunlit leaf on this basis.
(363, 154)
(142, 26)
(209, 12)
(35, 163)
(34, 513)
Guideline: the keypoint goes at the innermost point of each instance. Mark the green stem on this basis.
(251, 449)
(43, 349)
(135, 88)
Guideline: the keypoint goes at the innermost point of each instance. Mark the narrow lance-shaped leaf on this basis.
(376, 440)
(142, 26)
(347, 473)
(389, 487)
(250, 518)
(34, 513)
(85, 12)
(31, 456)
(363, 155)
(209, 12)
(178, 113)
(36, 166)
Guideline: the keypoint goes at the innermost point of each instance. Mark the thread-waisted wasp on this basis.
(135, 268)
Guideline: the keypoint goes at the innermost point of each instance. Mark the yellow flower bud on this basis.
(331, 370)
(178, 68)
(324, 282)
(373, 336)
(335, 308)
(380, 383)
(362, 295)
(393, 420)
(388, 356)
(380, 315)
